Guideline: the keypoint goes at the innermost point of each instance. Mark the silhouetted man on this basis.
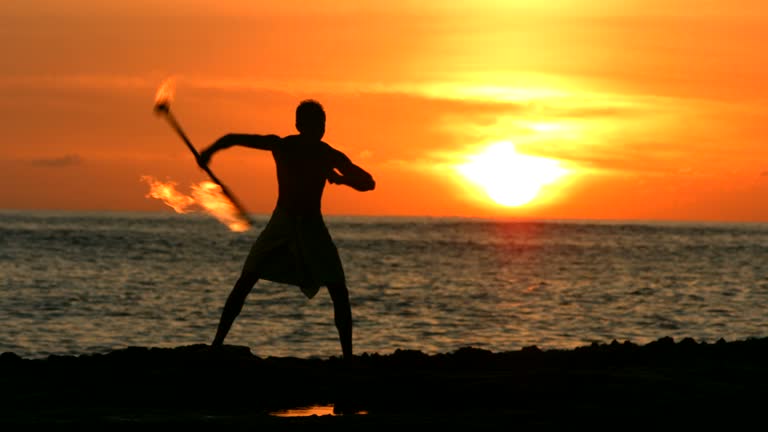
(295, 246)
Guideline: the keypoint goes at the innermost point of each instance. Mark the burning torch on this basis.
(163, 108)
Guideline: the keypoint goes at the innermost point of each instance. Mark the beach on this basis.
(617, 384)
(518, 215)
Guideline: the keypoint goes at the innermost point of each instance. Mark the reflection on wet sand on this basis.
(318, 410)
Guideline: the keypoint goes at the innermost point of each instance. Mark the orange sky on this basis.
(656, 108)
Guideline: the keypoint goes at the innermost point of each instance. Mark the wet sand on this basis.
(618, 385)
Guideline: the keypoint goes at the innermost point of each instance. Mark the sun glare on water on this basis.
(509, 178)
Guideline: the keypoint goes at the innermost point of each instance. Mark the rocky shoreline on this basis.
(663, 382)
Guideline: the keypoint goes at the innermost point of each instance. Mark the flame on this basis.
(209, 196)
(205, 195)
(167, 193)
(165, 92)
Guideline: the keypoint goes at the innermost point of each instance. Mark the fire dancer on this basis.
(295, 247)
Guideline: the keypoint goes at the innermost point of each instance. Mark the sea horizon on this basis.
(397, 217)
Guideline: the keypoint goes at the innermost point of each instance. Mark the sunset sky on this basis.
(642, 110)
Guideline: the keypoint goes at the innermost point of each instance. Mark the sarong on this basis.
(296, 250)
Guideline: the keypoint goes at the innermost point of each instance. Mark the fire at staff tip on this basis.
(164, 95)
(162, 107)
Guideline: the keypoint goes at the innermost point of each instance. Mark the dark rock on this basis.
(191, 385)
(9, 359)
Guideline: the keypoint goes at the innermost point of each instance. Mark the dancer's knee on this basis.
(339, 293)
(247, 280)
(244, 284)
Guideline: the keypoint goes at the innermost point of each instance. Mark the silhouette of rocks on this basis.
(684, 383)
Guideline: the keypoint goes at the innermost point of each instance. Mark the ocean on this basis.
(76, 283)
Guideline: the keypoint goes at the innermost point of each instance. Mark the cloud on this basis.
(58, 162)
(78, 81)
(589, 112)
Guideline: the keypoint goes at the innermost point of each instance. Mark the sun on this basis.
(509, 178)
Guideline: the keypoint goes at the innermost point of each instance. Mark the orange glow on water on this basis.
(314, 410)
